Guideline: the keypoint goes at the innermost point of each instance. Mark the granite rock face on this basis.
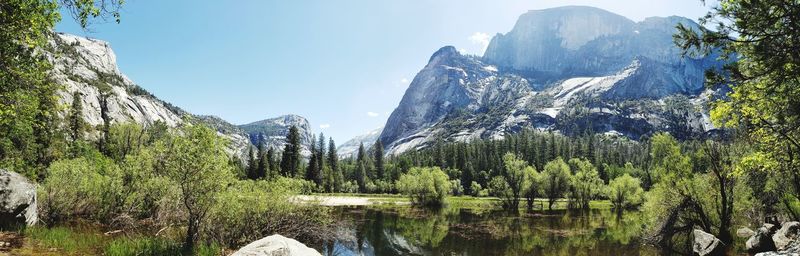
(567, 69)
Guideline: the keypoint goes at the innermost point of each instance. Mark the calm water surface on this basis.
(470, 232)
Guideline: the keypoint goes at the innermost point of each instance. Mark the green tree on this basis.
(333, 164)
(198, 163)
(361, 169)
(272, 164)
(555, 180)
(29, 138)
(290, 161)
(758, 42)
(625, 192)
(263, 162)
(321, 163)
(313, 166)
(586, 183)
(252, 163)
(510, 186)
(426, 186)
(77, 125)
(377, 150)
(534, 186)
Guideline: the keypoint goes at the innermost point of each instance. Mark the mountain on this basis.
(273, 132)
(350, 147)
(88, 67)
(569, 69)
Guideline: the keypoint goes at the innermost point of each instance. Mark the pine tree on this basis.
(290, 160)
(361, 169)
(76, 122)
(273, 168)
(377, 150)
(252, 164)
(313, 166)
(333, 163)
(263, 162)
(320, 156)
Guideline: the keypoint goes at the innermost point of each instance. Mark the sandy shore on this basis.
(340, 200)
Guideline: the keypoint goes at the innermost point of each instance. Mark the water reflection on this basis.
(411, 231)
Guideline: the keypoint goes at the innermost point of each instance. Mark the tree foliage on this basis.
(426, 186)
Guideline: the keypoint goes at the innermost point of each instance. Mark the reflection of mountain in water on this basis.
(463, 232)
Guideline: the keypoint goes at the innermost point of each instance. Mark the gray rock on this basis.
(787, 234)
(761, 241)
(793, 249)
(745, 232)
(706, 244)
(17, 200)
(276, 245)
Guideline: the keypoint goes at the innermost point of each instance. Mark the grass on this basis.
(62, 240)
(82, 241)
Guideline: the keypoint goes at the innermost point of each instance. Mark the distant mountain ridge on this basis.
(273, 132)
(569, 69)
(350, 147)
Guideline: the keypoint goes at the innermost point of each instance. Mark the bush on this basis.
(349, 187)
(475, 188)
(425, 185)
(457, 188)
(250, 210)
(83, 187)
(294, 186)
(625, 192)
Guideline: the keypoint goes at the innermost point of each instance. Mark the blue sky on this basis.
(344, 65)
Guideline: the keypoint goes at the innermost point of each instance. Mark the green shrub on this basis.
(82, 187)
(475, 188)
(250, 210)
(625, 192)
(425, 185)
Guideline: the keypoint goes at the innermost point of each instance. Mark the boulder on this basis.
(707, 244)
(17, 200)
(761, 241)
(745, 232)
(787, 234)
(276, 245)
(793, 249)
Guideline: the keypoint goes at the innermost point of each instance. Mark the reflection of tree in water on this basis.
(461, 232)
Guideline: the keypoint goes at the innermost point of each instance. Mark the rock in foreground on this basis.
(17, 200)
(707, 244)
(761, 241)
(789, 232)
(276, 245)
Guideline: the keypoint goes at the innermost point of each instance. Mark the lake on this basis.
(409, 231)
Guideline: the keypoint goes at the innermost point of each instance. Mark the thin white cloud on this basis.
(481, 39)
(324, 126)
(404, 80)
(372, 114)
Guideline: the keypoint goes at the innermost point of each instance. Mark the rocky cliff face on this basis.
(273, 132)
(88, 67)
(350, 147)
(568, 69)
